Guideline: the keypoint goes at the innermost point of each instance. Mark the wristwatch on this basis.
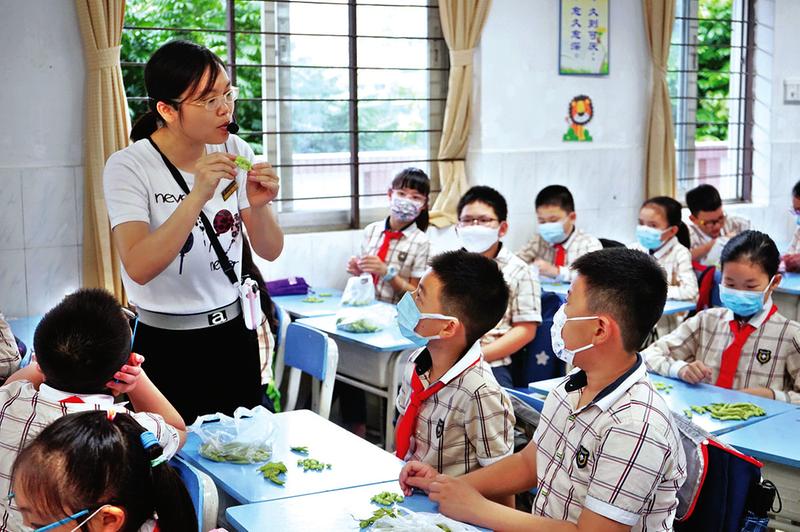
(391, 273)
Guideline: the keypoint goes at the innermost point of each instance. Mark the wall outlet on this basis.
(791, 90)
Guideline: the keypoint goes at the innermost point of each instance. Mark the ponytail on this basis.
(423, 220)
(145, 126)
(683, 235)
(173, 505)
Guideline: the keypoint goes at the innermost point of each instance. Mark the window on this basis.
(710, 76)
(338, 95)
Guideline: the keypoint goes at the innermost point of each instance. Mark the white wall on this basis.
(40, 154)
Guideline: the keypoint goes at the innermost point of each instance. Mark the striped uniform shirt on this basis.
(619, 456)
(732, 226)
(524, 300)
(409, 255)
(577, 244)
(25, 412)
(467, 424)
(770, 357)
(677, 262)
(794, 247)
(9, 353)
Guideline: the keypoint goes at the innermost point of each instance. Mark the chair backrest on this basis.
(537, 361)
(310, 351)
(201, 490)
(280, 344)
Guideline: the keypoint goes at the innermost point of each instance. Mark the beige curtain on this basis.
(462, 22)
(107, 128)
(659, 16)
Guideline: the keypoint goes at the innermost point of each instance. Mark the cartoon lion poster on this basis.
(579, 113)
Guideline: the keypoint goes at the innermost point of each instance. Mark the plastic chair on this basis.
(284, 319)
(537, 361)
(309, 350)
(201, 490)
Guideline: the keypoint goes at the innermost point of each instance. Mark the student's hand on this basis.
(352, 266)
(415, 469)
(545, 268)
(128, 376)
(792, 262)
(695, 372)
(760, 392)
(209, 170)
(372, 264)
(457, 499)
(263, 184)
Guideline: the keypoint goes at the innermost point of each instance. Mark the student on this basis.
(9, 351)
(745, 345)
(558, 243)
(100, 471)
(711, 228)
(791, 259)
(662, 234)
(81, 345)
(482, 221)
(453, 414)
(606, 455)
(395, 250)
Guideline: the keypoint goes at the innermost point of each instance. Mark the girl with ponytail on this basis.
(99, 471)
(177, 199)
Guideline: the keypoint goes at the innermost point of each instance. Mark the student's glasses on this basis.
(212, 104)
(480, 220)
(716, 221)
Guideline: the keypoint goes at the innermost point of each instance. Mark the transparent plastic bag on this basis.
(408, 521)
(245, 438)
(359, 291)
(370, 319)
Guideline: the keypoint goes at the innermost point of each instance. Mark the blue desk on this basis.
(356, 462)
(790, 284)
(333, 510)
(672, 306)
(369, 361)
(683, 395)
(528, 396)
(775, 442)
(297, 308)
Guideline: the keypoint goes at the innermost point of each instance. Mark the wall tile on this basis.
(48, 202)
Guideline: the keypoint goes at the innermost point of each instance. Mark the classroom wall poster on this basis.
(583, 37)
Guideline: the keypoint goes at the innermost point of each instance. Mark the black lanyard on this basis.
(224, 262)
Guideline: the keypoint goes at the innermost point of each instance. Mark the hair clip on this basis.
(111, 414)
(149, 440)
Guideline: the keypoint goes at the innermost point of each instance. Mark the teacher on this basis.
(176, 201)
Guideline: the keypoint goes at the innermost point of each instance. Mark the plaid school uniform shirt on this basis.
(732, 226)
(467, 424)
(9, 353)
(524, 301)
(25, 412)
(577, 244)
(794, 247)
(409, 254)
(619, 456)
(770, 358)
(677, 263)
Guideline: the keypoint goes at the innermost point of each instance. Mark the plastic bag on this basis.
(359, 291)
(245, 438)
(420, 522)
(370, 319)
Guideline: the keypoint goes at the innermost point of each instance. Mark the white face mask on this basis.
(559, 349)
(478, 238)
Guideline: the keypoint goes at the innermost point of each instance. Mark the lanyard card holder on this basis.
(251, 303)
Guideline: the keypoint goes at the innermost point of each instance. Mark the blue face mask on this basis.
(649, 237)
(743, 302)
(553, 232)
(408, 316)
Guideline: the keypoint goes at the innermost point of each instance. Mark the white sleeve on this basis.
(166, 434)
(125, 190)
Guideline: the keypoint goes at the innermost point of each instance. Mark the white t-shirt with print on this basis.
(140, 188)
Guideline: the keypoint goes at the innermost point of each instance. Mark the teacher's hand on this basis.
(210, 170)
(263, 184)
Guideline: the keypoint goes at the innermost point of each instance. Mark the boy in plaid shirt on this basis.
(453, 414)
(606, 455)
(82, 345)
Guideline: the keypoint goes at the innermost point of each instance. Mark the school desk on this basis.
(682, 395)
(297, 308)
(332, 510)
(672, 306)
(355, 461)
(776, 442)
(372, 362)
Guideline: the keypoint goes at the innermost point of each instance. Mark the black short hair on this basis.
(671, 209)
(486, 195)
(556, 195)
(627, 284)
(796, 190)
(81, 342)
(473, 290)
(703, 198)
(755, 247)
